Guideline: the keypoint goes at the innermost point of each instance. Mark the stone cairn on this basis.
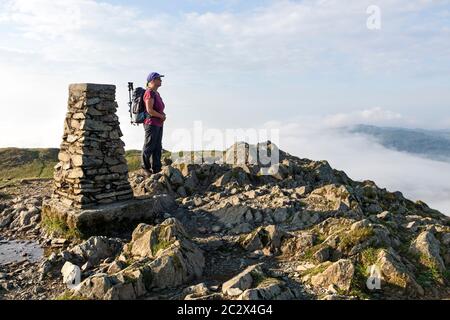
(92, 168)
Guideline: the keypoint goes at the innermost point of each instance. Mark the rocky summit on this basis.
(303, 231)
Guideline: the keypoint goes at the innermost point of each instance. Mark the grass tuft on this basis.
(354, 237)
(60, 228)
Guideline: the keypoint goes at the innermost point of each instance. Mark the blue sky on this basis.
(228, 63)
(302, 67)
(199, 6)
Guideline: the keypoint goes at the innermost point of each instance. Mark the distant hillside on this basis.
(433, 144)
(16, 163)
(26, 163)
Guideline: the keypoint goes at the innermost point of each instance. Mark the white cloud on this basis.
(287, 35)
(360, 156)
(375, 116)
(45, 45)
(364, 158)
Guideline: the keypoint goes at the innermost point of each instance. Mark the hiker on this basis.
(153, 125)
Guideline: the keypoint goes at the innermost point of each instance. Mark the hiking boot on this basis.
(145, 172)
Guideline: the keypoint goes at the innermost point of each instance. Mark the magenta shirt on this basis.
(158, 106)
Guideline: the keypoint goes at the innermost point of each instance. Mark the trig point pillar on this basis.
(92, 194)
(92, 168)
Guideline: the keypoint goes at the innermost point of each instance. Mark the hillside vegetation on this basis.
(17, 163)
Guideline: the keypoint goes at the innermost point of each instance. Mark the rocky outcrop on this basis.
(428, 247)
(228, 231)
(395, 276)
(253, 284)
(339, 274)
(329, 198)
(241, 282)
(160, 256)
(268, 238)
(96, 249)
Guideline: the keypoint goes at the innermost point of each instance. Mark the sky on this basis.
(301, 67)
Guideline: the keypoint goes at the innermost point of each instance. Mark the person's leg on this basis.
(149, 146)
(156, 156)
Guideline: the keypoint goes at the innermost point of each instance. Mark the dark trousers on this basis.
(151, 153)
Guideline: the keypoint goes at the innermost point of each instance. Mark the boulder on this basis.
(96, 249)
(329, 198)
(339, 274)
(270, 237)
(243, 281)
(395, 275)
(323, 254)
(426, 245)
(232, 215)
(190, 183)
(173, 258)
(269, 289)
(195, 291)
(446, 239)
(174, 175)
(116, 266)
(147, 240)
(161, 256)
(6, 219)
(280, 215)
(300, 243)
(95, 287)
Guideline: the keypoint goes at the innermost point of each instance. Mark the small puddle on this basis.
(20, 250)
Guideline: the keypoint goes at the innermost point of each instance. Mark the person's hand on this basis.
(163, 118)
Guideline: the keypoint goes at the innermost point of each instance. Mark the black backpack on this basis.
(138, 112)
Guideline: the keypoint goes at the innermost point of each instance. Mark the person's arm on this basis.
(151, 111)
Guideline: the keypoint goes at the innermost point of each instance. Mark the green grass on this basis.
(133, 158)
(161, 245)
(429, 273)
(352, 238)
(369, 256)
(308, 255)
(428, 277)
(67, 295)
(317, 270)
(358, 287)
(27, 163)
(60, 228)
(266, 282)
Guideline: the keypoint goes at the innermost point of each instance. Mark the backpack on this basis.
(138, 112)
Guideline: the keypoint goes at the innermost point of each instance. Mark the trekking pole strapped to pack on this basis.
(130, 103)
(138, 112)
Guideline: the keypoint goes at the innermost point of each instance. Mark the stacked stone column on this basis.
(92, 168)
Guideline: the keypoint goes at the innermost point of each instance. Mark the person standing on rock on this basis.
(153, 125)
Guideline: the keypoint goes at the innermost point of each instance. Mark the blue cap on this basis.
(153, 76)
